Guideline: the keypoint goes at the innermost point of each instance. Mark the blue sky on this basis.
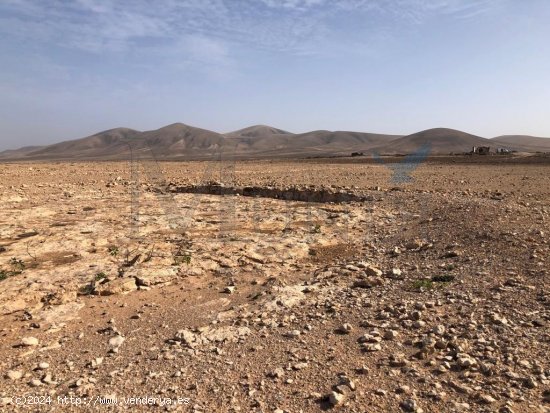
(72, 68)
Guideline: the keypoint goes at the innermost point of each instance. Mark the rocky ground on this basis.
(319, 285)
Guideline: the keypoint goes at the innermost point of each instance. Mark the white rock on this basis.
(116, 341)
(336, 398)
(390, 334)
(43, 365)
(29, 341)
(14, 374)
(372, 271)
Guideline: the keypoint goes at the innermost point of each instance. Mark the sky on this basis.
(69, 69)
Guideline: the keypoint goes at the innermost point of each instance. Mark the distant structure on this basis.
(357, 154)
(480, 150)
(503, 151)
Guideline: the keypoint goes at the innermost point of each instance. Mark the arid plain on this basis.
(276, 286)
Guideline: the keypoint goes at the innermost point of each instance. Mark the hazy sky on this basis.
(72, 68)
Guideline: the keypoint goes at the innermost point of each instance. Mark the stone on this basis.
(390, 335)
(371, 347)
(29, 341)
(299, 366)
(372, 271)
(229, 289)
(486, 398)
(277, 373)
(14, 374)
(345, 328)
(116, 341)
(369, 338)
(43, 365)
(186, 336)
(461, 406)
(117, 286)
(438, 330)
(225, 334)
(404, 389)
(368, 282)
(410, 405)
(48, 379)
(336, 398)
(293, 333)
(35, 383)
(95, 363)
(466, 362)
(530, 383)
(414, 244)
(347, 383)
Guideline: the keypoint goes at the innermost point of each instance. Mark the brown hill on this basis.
(101, 144)
(442, 141)
(257, 131)
(312, 143)
(19, 153)
(170, 141)
(179, 141)
(523, 142)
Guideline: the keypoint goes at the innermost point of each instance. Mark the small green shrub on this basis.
(100, 276)
(181, 259)
(426, 284)
(445, 278)
(113, 251)
(17, 266)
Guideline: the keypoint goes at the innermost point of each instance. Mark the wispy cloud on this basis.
(111, 26)
(209, 35)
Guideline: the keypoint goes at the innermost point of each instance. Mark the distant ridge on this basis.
(442, 140)
(98, 145)
(532, 143)
(257, 131)
(180, 141)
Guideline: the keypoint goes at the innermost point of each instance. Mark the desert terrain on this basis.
(281, 286)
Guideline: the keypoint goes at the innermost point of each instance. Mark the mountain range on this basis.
(181, 142)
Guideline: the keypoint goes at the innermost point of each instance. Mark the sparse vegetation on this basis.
(113, 251)
(100, 276)
(183, 258)
(317, 229)
(425, 284)
(17, 266)
(149, 255)
(445, 278)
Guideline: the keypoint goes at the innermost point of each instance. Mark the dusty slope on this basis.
(315, 143)
(176, 139)
(170, 140)
(442, 141)
(257, 131)
(524, 142)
